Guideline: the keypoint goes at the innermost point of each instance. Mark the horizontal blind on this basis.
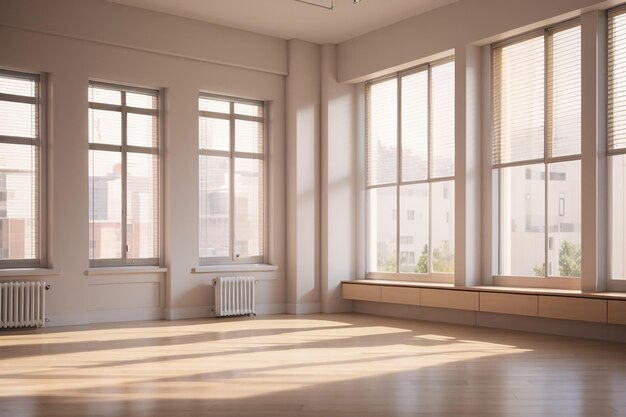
(232, 179)
(20, 169)
(518, 101)
(442, 120)
(563, 88)
(616, 126)
(124, 172)
(382, 132)
(414, 129)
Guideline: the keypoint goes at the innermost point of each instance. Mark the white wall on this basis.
(108, 42)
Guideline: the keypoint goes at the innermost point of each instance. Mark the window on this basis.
(232, 180)
(616, 144)
(410, 170)
(124, 166)
(22, 169)
(536, 153)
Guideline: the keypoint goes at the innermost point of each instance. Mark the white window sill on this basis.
(234, 268)
(123, 270)
(28, 272)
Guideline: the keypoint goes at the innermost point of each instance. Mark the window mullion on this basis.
(398, 168)
(429, 140)
(547, 141)
(231, 193)
(124, 180)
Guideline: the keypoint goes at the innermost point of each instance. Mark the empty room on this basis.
(312, 208)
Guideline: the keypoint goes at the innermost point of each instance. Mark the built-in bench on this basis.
(602, 307)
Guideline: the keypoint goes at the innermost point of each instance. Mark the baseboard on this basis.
(131, 314)
(75, 319)
(304, 308)
(181, 313)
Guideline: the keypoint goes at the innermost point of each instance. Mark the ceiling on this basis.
(290, 19)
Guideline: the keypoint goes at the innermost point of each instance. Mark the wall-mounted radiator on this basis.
(234, 296)
(23, 304)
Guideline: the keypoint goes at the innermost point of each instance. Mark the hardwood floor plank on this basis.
(304, 366)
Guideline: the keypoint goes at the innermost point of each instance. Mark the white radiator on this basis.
(22, 304)
(234, 296)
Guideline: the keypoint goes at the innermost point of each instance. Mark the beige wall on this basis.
(70, 61)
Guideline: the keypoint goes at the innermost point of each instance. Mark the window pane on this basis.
(382, 132)
(105, 127)
(414, 253)
(142, 200)
(522, 220)
(104, 95)
(105, 205)
(442, 196)
(519, 101)
(442, 110)
(18, 119)
(617, 222)
(415, 126)
(248, 136)
(564, 202)
(143, 101)
(214, 206)
(566, 99)
(18, 86)
(214, 134)
(219, 106)
(249, 109)
(381, 229)
(248, 207)
(142, 130)
(19, 201)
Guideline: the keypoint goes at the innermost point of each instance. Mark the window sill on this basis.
(122, 270)
(28, 272)
(207, 269)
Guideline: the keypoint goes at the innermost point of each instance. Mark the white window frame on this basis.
(41, 142)
(232, 155)
(434, 277)
(124, 149)
(612, 284)
(546, 281)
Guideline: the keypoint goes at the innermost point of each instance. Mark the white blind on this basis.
(232, 180)
(616, 134)
(382, 132)
(415, 125)
(123, 175)
(442, 120)
(564, 91)
(537, 96)
(20, 170)
(518, 101)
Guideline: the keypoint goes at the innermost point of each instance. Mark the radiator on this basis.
(234, 296)
(23, 304)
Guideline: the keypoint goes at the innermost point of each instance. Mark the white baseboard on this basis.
(73, 319)
(304, 308)
(131, 314)
(181, 313)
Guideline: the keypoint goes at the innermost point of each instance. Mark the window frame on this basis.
(612, 284)
(124, 149)
(430, 276)
(232, 154)
(547, 281)
(41, 103)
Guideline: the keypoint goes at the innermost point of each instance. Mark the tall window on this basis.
(123, 176)
(21, 171)
(616, 145)
(536, 153)
(232, 180)
(410, 173)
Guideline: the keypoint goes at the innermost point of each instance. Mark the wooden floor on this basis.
(314, 365)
